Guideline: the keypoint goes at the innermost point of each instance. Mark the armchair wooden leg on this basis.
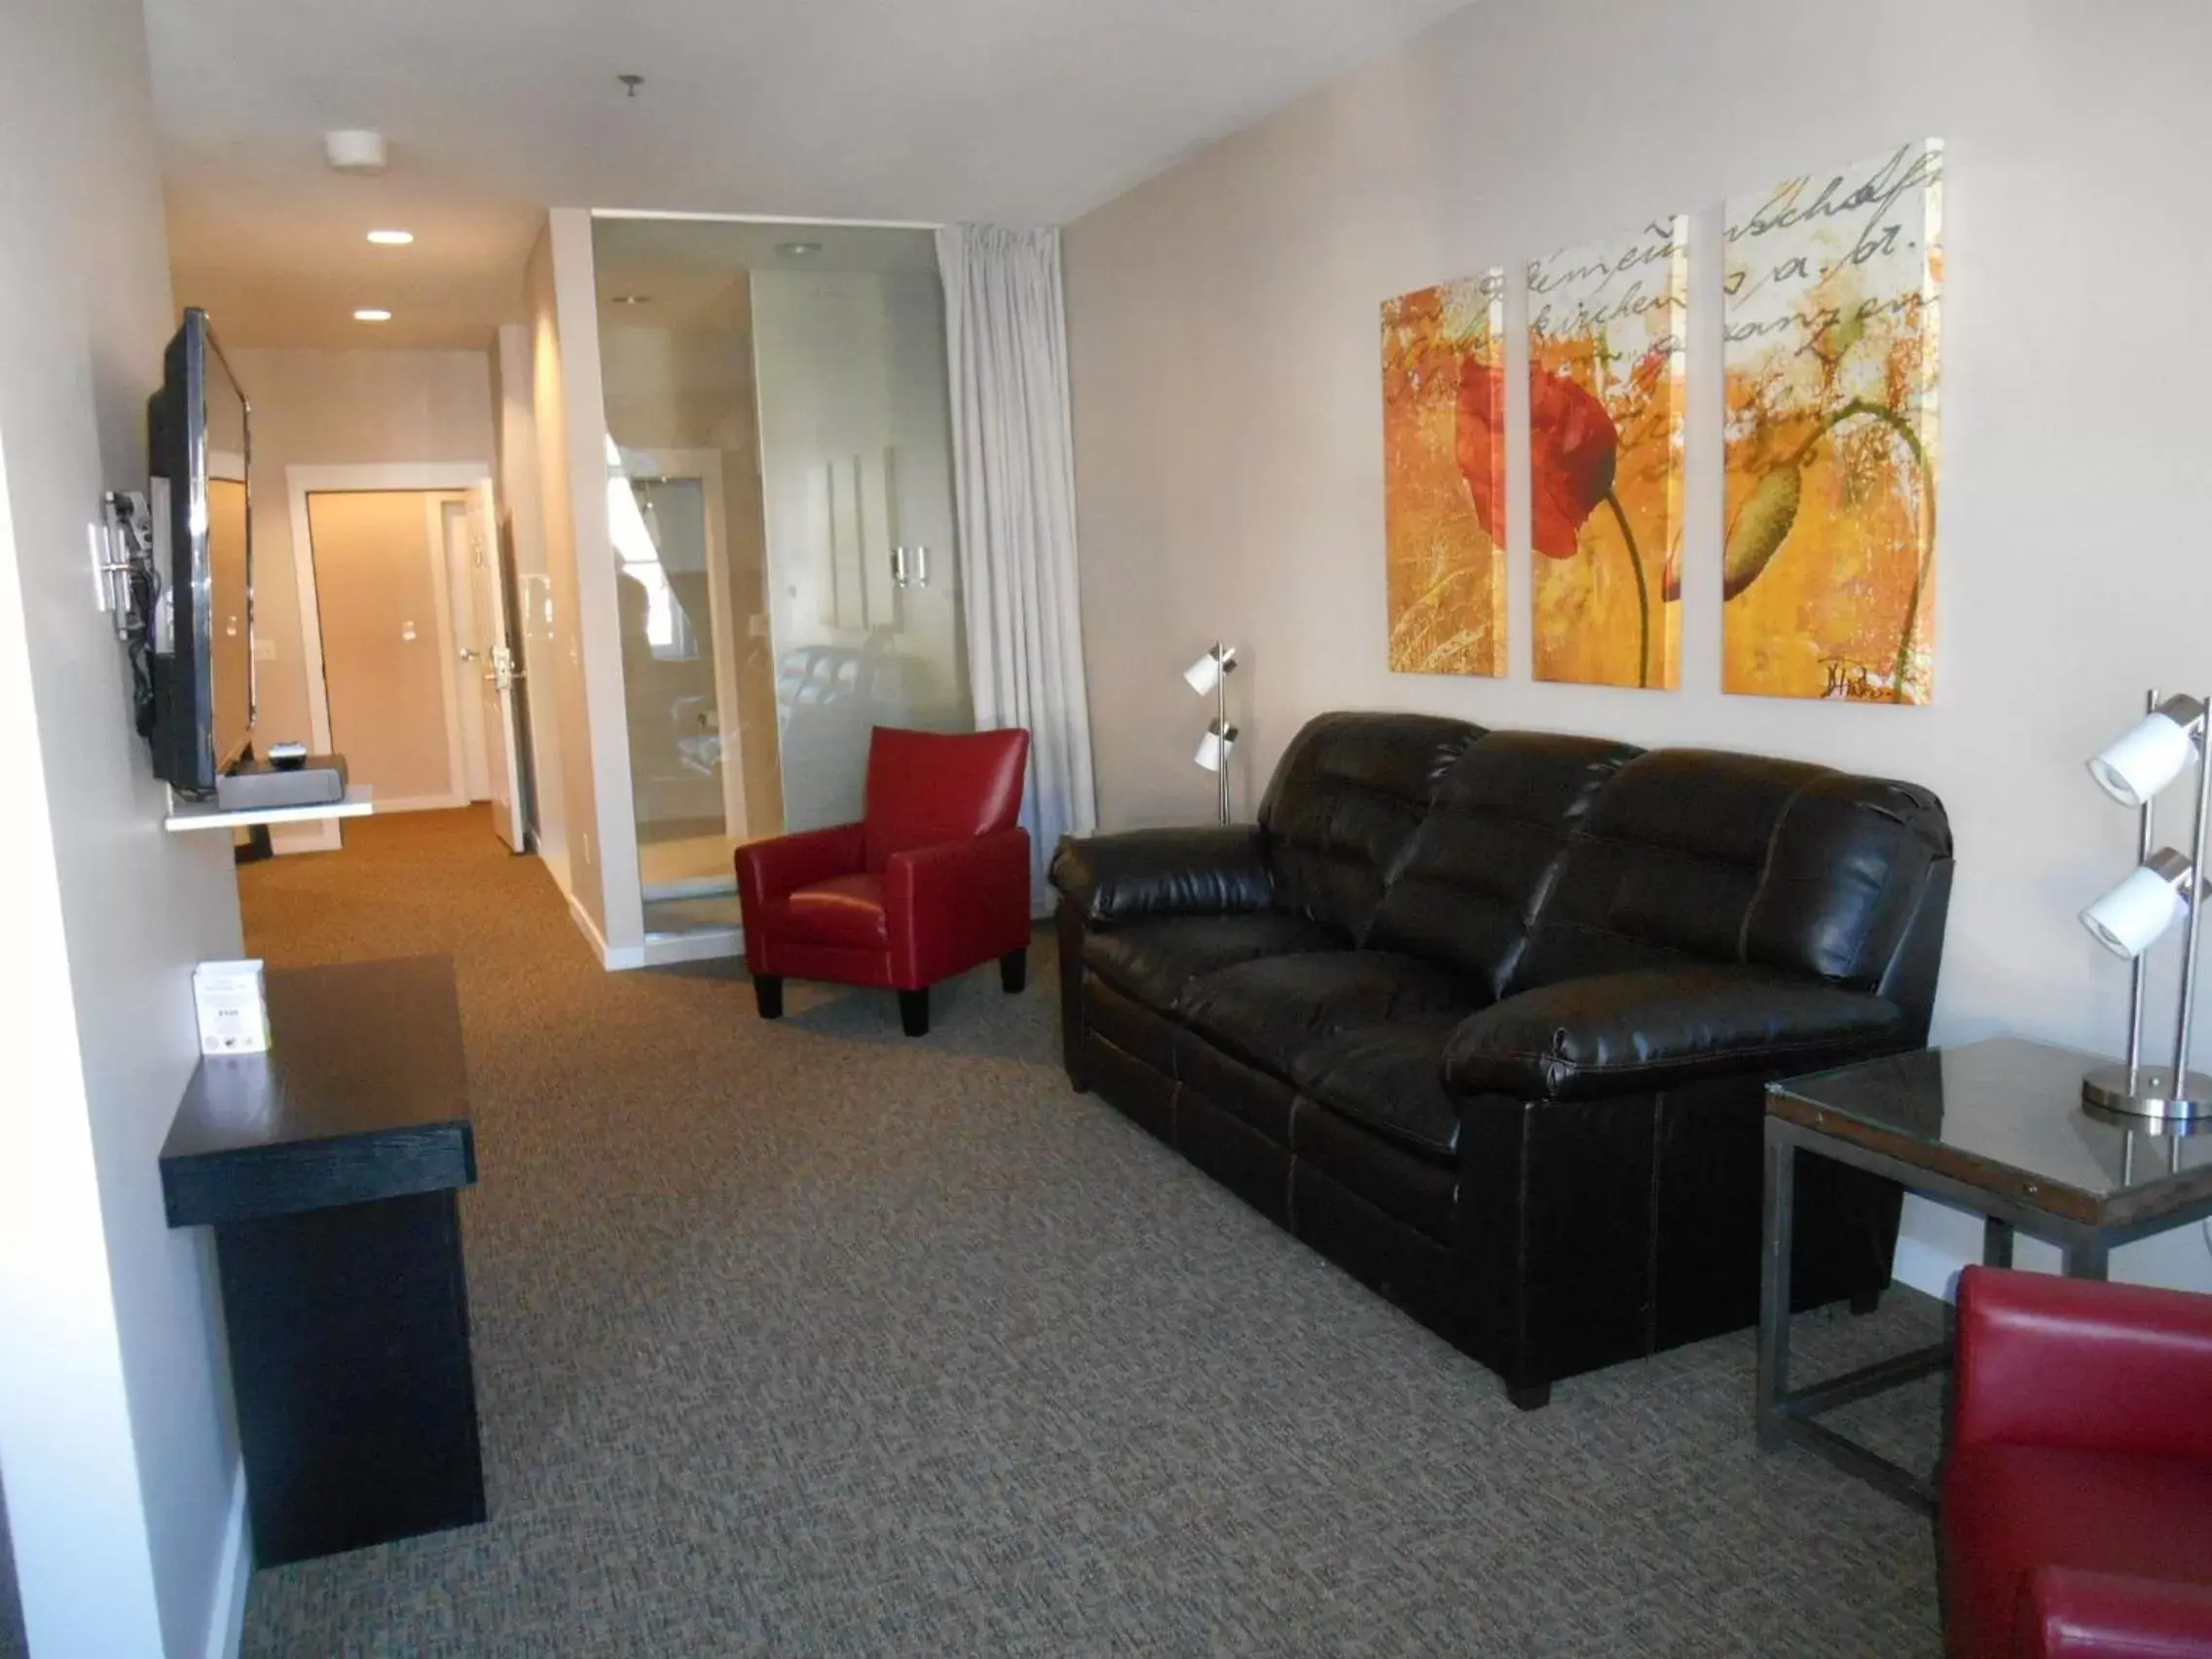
(1014, 971)
(914, 1011)
(768, 993)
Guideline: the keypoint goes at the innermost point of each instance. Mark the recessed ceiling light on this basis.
(631, 300)
(797, 250)
(369, 313)
(391, 238)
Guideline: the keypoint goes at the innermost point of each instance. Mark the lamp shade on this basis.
(2129, 920)
(1205, 673)
(1214, 747)
(2150, 754)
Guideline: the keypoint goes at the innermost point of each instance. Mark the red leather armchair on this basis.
(932, 882)
(2076, 1491)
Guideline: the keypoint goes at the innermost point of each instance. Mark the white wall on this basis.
(360, 408)
(118, 1458)
(1228, 416)
(589, 717)
(523, 508)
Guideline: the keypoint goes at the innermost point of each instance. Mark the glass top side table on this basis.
(1997, 1128)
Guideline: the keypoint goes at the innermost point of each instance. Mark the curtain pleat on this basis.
(1013, 488)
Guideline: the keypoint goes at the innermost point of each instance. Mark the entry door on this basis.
(499, 685)
(388, 649)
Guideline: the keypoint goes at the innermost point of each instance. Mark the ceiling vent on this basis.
(355, 152)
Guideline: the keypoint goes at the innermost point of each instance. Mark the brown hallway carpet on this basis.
(808, 1338)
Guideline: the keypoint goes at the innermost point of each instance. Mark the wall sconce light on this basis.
(1211, 674)
(2164, 887)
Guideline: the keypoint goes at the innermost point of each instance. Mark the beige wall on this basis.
(120, 1463)
(341, 409)
(522, 512)
(1228, 419)
(573, 508)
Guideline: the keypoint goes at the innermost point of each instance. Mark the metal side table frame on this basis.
(1907, 1128)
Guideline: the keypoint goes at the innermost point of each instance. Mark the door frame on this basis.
(300, 482)
(461, 600)
(705, 469)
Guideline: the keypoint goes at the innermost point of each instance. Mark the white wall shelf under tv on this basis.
(206, 815)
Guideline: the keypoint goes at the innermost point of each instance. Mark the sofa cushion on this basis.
(1850, 860)
(1698, 855)
(1481, 862)
(1268, 1010)
(2030, 1506)
(1387, 1079)
(1664, 867)
(1152, 959)
(846, 911)
(1344, 800)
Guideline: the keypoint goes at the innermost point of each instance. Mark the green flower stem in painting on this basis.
(1642, 593)
(1898, 423)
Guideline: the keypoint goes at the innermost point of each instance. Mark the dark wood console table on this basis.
(329, 1169)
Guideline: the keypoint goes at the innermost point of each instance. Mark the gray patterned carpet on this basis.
(807, 1339)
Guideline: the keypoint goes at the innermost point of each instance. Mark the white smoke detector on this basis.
(355, 151)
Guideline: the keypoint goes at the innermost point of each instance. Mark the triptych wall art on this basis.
(1830, 299)
(1444, 476)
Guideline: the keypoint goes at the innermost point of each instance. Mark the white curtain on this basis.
(1013, 478)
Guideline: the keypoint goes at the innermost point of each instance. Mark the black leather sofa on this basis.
(1486, 1016)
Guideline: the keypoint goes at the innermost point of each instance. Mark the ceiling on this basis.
(1020, 111)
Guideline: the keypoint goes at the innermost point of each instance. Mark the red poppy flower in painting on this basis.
(1572, 449)
(1481, 442)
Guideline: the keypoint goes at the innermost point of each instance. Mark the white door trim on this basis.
(300, 482)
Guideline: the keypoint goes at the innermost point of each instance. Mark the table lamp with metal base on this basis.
(2165, 886)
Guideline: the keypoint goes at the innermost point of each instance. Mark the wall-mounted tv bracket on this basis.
(122, 562)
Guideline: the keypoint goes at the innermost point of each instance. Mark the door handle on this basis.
(468, 654)
(922, 566)
(897, 567)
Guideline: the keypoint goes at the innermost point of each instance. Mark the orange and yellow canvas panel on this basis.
(1443, 477)
(1832, 291)
(1606, 405)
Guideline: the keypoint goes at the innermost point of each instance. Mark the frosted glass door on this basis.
(856, 468)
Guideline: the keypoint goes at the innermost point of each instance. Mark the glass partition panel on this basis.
(780, 498)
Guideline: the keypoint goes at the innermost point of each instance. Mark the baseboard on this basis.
(423, 803)
(694, 887)
(699, 944)
(234, 1573)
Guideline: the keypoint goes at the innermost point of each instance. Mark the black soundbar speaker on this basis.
(256, 786)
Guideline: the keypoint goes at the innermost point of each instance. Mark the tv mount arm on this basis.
(128, 580)
(123, 562)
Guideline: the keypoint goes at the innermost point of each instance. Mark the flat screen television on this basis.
(200, 454)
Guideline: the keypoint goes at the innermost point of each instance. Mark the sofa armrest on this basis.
(1213, 870)
(779, 866)
(956, 903)
(2074, 1363)
(1659, 1028)
(2069, 1613)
